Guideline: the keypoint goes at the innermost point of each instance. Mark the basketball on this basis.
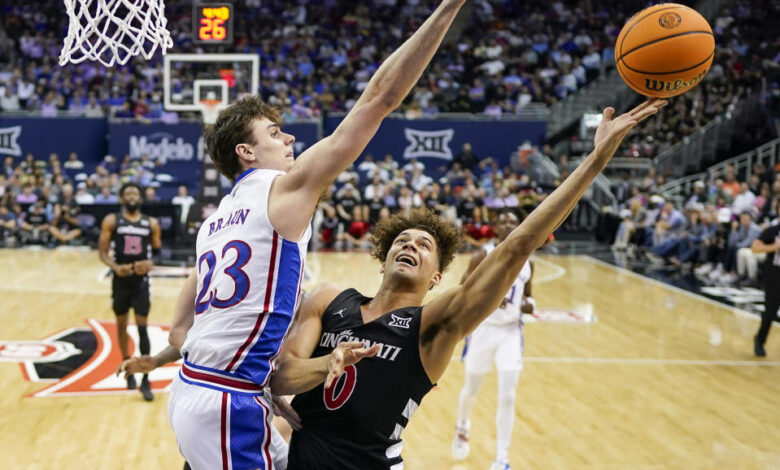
(664, 50)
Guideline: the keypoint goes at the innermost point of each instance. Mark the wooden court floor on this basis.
(662, 380)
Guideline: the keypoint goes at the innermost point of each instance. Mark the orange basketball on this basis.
(664, 50)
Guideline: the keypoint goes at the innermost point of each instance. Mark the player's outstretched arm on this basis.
(184, 315)
(296, 371)
(454, 314)
(298, 191)
(145, 364)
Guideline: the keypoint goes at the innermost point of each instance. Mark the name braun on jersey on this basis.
(331, 340)
(133, 230)
(237, 217)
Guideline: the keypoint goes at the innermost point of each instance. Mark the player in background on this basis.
(135, 238)
(238, 303)
(354, 420)
(499, 339)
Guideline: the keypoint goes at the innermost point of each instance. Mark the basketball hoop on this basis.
(114, 31)
(210, 110)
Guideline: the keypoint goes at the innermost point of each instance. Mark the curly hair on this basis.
(233, 127)
(447, 236)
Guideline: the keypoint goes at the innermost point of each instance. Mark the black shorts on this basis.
(132, 291)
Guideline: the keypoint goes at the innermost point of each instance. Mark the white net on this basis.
(113, 31)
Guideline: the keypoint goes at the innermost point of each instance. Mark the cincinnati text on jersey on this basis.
(331, 340)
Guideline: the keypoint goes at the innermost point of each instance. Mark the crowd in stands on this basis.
(41, 201)
(318, 55)
(469, 193)
(709, 233)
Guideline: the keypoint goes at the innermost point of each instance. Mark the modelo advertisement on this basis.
(44, 136)
(182, 142)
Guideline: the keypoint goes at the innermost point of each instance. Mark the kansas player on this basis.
(498, 339)
(250, 255)
(355, 420)
(132, 234)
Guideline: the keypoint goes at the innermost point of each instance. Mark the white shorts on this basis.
(502, 344)
(218, 429)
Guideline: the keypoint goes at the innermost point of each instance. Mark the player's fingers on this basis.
(642, 106)
(329, 379)
(608, 113)
(648, 111)
(368, 352)
(347, 346)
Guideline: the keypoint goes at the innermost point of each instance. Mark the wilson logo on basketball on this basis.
(670, 20)
(661, 85)
(83, 360)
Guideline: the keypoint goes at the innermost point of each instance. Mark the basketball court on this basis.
(629, 373)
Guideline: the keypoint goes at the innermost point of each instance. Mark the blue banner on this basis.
(180, 146)
(43, 136)
(440, 140)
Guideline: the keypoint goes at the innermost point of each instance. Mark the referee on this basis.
(768, 242)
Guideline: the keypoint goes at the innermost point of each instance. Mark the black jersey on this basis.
(131, 239)
(772, 263)
(357, 423)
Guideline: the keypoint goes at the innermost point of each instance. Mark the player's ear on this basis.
(245, 153)
(435, 280)
(382, 268)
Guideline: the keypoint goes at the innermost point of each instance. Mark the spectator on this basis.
(73, 162)
(743, 232)
(27, 196)
(34, 228)
(150, 195)
(466, 158)
(105, 196)
(82, 196)
(184, 201)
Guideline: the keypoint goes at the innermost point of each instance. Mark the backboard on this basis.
(192, 82)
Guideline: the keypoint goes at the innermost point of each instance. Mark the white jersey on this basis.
(249, 281)
(510, 311)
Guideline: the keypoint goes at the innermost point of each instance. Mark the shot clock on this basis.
(212, 23)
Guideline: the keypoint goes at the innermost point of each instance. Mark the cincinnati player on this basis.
(131, 233)
(355, 421)
(498, 339)
(250, 255)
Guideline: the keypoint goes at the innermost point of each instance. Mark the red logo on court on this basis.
(83, 360)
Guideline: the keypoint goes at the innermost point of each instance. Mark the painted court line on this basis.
(738, 311)
(650, 361)
(557, 271)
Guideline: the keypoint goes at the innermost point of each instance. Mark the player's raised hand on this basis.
(285, 410)
(612, 130)
(346, 354)
(137, 365)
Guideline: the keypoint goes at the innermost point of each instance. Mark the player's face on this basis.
(274, 148)
(414, 255)
(506, 223)
(131, 199)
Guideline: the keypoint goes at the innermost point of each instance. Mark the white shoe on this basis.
(703, 270)
(715, 274)
(500, 465)
(728, 279)
(460, 445)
